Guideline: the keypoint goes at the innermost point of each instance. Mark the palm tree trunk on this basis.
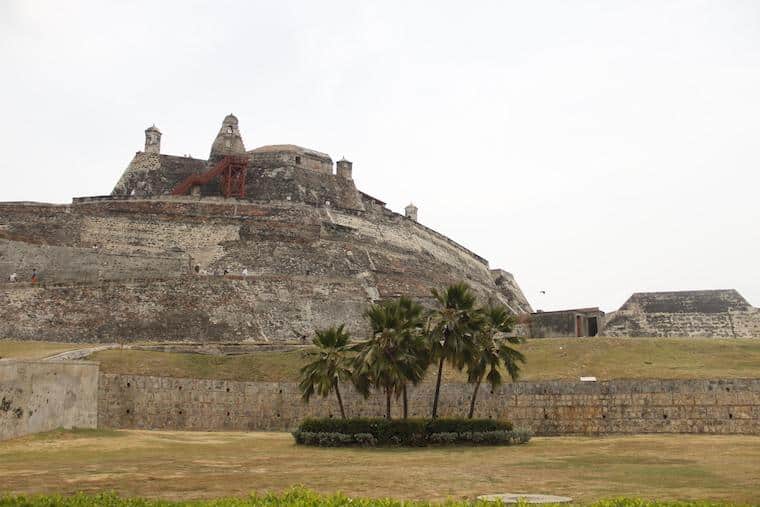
(340, 400)
(406, 404)
(437, 388)
(388, 404)
(474, 396)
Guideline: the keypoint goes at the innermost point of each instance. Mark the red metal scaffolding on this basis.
(231, 171)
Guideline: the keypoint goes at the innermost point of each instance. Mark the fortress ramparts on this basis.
(302, 248)
(546, 408)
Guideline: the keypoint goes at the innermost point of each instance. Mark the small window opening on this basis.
(298, 160)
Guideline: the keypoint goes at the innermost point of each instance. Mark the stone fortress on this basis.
(700, 313)
(263, 245)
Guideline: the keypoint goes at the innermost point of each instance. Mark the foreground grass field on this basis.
(35, 350)
(548, 359)
(296, 497)
(181, 465)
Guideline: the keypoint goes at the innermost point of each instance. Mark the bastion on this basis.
(260, 245)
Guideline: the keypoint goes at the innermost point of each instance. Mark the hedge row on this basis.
(376, 425)
(326, 439)
(407, 432)
(296, 497)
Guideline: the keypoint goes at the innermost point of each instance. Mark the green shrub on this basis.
(466, 425)
(365, 439)
(521, 436)
(407, 432)
(443, 438)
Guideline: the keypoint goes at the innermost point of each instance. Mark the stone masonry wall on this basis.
(124, 269)
(547, 408)
(709, 313)
(40, 396)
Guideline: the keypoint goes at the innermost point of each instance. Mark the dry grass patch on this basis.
(18, 349)
(548, 359)
(181, 465)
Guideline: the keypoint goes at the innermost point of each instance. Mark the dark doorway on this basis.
(592, 326)
(578, 326)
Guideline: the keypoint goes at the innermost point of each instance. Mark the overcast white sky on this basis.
(593, 149)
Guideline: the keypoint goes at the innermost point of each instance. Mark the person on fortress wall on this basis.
(34, 276)
(245, 271)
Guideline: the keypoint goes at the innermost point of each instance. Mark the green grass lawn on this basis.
(16, 349)
(548, 359)
(183, 465)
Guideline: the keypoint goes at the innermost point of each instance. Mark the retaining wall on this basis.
(40, 396)
(547, 408)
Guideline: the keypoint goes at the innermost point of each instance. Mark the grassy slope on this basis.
(35, 350)
(557, 358)
(203, 465)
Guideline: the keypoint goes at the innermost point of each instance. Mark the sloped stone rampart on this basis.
(708, 313)
(38, 396)
(547, 408)
(123, 270)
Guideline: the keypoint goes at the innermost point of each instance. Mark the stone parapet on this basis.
(546, 408)
(38, 396)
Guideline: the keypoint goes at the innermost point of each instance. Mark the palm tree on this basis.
(493, 352)
(330, 366)
(455, 323)
(395, 353)
(415, 345)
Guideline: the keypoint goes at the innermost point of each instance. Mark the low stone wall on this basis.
(547, 408)
(40, 396)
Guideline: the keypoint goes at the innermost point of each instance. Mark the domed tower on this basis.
(152, 140)
(228, 141)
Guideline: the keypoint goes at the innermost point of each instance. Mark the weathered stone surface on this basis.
(547, 408)
(40, 396)
(125, 269)
(142, 264)
(711, 313)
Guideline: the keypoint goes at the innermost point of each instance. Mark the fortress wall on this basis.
(746, 324)
(418, 243)
(64, 263)
(309, 267)
(547, 408)
(189, 308)
(39, 224)
(709, 313)
(40, 396)
(197, 243)
(204, 229)
(735, 324)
